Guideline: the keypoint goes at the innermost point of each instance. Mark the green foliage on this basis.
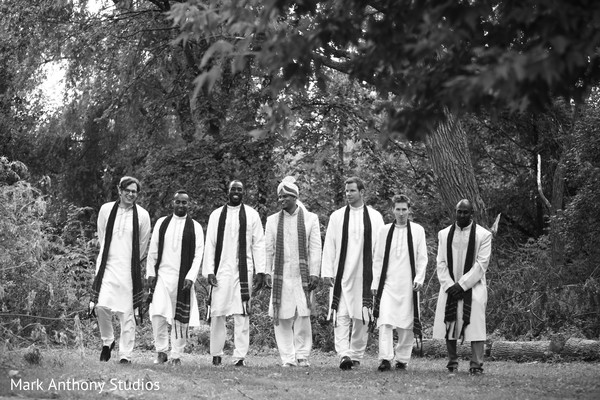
(41, 275)
(455, 55)
(260, 90)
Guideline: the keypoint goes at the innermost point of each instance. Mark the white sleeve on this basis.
(192, 274)
(314, 247)
(153, 250)
(421, 258)
(208, 263)
(258, 245)
(482, 260)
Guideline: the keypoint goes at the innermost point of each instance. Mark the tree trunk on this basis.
(340, 195)
(448, 152)
(558, 192)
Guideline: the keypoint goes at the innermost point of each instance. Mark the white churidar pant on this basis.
(241, 336)
(294, 339)
(403, 347)
(127, 321)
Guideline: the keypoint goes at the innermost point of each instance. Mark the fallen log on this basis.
(520, 351)
(437, 348)
(573, 348)
(583, 349)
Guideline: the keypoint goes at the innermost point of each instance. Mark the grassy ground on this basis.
(263, 378)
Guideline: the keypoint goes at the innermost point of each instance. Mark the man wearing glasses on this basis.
(123, 234)
(173, 264)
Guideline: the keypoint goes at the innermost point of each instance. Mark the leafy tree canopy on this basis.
(424, 56)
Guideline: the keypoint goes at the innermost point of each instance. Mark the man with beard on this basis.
(293, 243)
(347, 268)
(123, 233)
(235, 247)
(173, 264)
(398, 275)
(463, 256)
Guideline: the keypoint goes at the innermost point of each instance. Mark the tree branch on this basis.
(539, 183)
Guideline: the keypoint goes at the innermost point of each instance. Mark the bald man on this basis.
(234, 250)
(463, 256)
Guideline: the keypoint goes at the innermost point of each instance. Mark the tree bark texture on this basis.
(572, 348)
(448, 152)
(558, 194)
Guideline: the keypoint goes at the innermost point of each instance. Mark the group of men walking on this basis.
(375, 273)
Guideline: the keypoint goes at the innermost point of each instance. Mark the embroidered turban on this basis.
(287, 186)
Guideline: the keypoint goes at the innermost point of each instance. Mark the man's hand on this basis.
(212, 280)
(151, 281)
(417, 286)
(268, 281)
(187, 285)
(374, 292)
(329, 281)
(313, 282)
(259, 281)
(455, 290)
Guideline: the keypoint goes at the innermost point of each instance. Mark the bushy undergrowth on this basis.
(47, 264)
(530, 298)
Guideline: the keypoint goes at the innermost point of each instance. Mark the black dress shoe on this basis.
(346, 363)
(452, 370)
(106, 350)
(216, 360)
(240, 363)
(175, 361)
(476, 371)
(400, 365)
(384, 366)
(124, 361)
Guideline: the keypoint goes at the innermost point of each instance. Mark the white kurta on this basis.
(165, 293)
(396, 307)
(292, 295)
(474, 279)
(352, 280)
(226, 296)
(116, 292)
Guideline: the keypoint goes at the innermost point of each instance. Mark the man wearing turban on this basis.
(293, 253)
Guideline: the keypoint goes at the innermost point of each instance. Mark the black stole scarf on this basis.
(188, 251)
(243, 262)
(136, 273)
(279, 260)
(451, 310)
(367, 298)
(417, 328)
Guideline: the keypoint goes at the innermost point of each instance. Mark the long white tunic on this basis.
(352, 280)
(292, 295)
(474, 279)
(116, 292)
(226, 296)
(165, 293)
(396, 307)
